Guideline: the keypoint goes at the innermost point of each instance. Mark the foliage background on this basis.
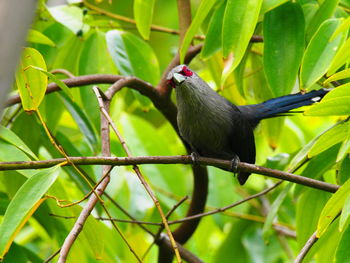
(304, 43)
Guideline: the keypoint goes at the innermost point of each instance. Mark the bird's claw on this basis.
(234, 164)
(194, 158)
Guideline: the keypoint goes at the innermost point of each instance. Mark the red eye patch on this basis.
(186, 72)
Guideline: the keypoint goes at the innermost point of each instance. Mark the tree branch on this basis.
(311, 241)
(179, 159)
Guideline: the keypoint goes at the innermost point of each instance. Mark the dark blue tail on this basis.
(284, 104)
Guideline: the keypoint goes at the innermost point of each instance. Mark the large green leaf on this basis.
(133, 56)
(309, 207)
(333, 136)
(333, 208)
(342, 253)
(27, 199)
(10, 137)
(325, 11)
(239, 23)
(143, 13)
(213, 38)
(336, 102)
(268, 5)
(319, 53)
(69, 16)
(345, 213)
(30, 82)
(202, 11)
(284, 29)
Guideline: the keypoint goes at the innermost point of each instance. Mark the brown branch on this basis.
(148, 189)
(184, 15)
(73, 82)
(311, 241)
(179, 159)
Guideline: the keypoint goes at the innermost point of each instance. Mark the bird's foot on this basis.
(234, 164)
(194, 157)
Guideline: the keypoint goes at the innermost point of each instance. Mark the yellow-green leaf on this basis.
(203, 10)
(27, 199)
(35, 36)
(143, 13)
(30, 82)
(239, 23)
(333, 208)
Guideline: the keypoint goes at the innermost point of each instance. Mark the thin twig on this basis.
(52, 256)
(303, 252)
(138, 172)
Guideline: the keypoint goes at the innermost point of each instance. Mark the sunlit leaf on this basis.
(10, 137)
(345, 213)
(69, 16)
(284, 28)
(337, 76)
(143, 13)
(30, 82)
(27, 199)
(342, 57)
(133, 56)
(333, 136)
(202, 11)
(324, 12)
(239, 23)
(333, 208)
(319, 53)
(35, 36)
(336, 102)
(59, 82)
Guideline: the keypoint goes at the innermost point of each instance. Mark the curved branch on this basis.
(74, 82)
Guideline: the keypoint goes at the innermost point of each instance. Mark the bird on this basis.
(214, 127)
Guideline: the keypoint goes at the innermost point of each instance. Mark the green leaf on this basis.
(212, 41)
(59, 82)
(268, 5)
(342, 57)
(143, 13)
(31, 83)
(309, 207)
(333, 208)
(82, 120)
(274, 210)
(319, 53)
(27, 199)
(337, 76)
(10, 137)
(325, 11)
(69, 16)
(239, 23)
(336, 102)
(344, 26)
(202, 12)
(345, 213)
(284, 29)
(133, 56)
(333, 136)
(37, 37)
(342, 254)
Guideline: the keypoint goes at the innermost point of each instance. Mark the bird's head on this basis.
(179, 75)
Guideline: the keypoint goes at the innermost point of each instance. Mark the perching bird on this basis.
(214, 127)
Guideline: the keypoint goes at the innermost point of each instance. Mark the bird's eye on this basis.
(186, 72)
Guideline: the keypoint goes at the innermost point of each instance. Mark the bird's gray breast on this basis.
(205, 122)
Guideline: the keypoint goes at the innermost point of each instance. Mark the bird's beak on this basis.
(178, 78)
